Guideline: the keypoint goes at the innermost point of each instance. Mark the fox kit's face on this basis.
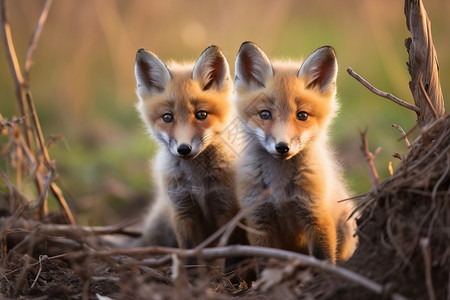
(285, 105)
(184, 107)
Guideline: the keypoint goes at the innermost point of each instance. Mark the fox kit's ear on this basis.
(252, 66)
(211, 69)
(320, 70)
(151, 73)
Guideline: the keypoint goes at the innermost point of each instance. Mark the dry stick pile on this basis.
(404, 227)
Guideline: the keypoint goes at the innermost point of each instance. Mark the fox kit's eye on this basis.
(168, 118)
(201, 115)
(265, 115)
(302, 116)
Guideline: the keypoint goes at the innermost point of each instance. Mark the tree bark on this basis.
(423, 64)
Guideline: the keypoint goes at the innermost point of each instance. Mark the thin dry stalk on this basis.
(43, 196)
(70, 230)
(62, 202)
(26, 105)
(381, 93)
(10, 188)
(425, 246)
(22, 276)
(12, 220)
(11, 57)
(231, 225)
(9, 124)
(34, 41)
(427, 99)
(41, 259)
(404, 136)
(369, 157)
(37, 126)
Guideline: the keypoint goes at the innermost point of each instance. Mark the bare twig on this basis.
(62, 202)
(241, 214)
(11, 56)
(12, 220)
(41, 259)
(11, 123)
(427, 99)
(35, 264)
(37, 125)
(70, 230)
(10, 188)
(226, 230)
(250, 229)
(369, 157)
(381, 93)
(155, 262)
(44, 194)
(425, 246)
(21, 278)
(398, 155)
(239, 251)
(404, 136)
(34, 41)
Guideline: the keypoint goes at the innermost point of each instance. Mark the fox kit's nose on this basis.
(184, 149)
(282, 148)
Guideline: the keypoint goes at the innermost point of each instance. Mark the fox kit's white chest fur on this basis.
(190, 183)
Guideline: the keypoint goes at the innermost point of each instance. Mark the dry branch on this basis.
(9, 124)
(69, 230)
(369, 157)
(40, 158)
(425, 246)
(239, 251)
(381, 93)
(422, 62)
(404, 135)
(15, 71)
(34, 41)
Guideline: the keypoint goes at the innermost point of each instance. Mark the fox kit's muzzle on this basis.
(282, 148)
(184, 149)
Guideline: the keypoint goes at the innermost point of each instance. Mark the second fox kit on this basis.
(286, 108)
(185, 108)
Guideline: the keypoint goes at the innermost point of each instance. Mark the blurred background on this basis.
(83, 80)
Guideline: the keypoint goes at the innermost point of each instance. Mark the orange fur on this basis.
(194, 169)
(290, 156)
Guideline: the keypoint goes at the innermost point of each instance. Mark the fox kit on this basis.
(185, 108)
(286, 109)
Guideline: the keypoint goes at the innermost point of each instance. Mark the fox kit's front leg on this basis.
(188, 228)
(321, 237)
(263, 219)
